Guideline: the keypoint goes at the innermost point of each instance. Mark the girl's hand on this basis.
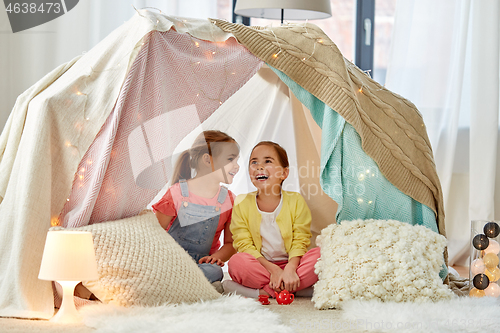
(211, 260)
(276, 279)
(290, 279)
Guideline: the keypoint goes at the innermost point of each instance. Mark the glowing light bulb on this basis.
(275, 55)
(493, 290)
(320, 41)
(360, 90)
(477, 267)
(493, 274)
(493, 247)
(67, 199)
(474, 292)
(197, 44)
(490, 260)
(78, 93)
(54, 221)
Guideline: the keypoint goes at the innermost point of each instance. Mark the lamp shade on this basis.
(293, 9)
(68, 256)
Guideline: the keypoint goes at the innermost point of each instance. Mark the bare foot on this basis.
(263, 292)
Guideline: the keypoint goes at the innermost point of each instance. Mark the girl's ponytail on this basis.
(182, 168)
(202, 145)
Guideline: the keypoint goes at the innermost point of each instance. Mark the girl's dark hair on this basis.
(202, 145)
(282, 156)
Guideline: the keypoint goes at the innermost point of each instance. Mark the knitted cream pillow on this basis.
(141, 264)
(379, 259)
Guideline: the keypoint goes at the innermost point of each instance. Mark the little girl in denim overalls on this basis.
(195, 210)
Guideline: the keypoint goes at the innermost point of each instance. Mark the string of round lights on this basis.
(484, 262)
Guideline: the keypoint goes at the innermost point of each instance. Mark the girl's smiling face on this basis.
(227, 161)
(266, 171)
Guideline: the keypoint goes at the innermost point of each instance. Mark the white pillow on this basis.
(139, 263)
(379, 259)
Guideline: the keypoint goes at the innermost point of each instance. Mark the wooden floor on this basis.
(462, 270)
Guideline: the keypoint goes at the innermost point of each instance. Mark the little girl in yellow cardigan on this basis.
(271, 231)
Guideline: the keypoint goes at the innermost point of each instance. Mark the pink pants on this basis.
(246, 270)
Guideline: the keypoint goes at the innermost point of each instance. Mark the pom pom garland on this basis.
(485, 258)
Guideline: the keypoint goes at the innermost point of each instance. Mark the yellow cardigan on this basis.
(293, 220)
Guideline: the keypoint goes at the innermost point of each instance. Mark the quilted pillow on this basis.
(379, 259)
(141, 264)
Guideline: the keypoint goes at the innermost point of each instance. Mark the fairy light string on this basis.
(195, 43)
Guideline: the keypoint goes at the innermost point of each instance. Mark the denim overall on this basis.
(194, 229)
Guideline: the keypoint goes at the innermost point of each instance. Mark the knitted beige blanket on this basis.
(391, 128)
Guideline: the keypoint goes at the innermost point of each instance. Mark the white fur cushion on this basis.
(141, 264)
(379, 259)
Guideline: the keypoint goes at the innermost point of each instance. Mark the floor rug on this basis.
(461, 314)
(226, 314)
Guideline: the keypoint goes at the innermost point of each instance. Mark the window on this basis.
(341, 28)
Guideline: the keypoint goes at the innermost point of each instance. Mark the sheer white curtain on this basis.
(445, 59)
(25, 57)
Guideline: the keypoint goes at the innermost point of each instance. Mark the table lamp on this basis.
(68, 258)
(284, 9)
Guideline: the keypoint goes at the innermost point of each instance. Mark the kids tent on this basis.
(95, 140)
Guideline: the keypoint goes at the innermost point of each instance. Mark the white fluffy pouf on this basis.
(459, 315)
(227, 314)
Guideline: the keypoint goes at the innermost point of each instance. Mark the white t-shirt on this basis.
(273, 246)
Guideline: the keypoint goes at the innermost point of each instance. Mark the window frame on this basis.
(363, 53)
